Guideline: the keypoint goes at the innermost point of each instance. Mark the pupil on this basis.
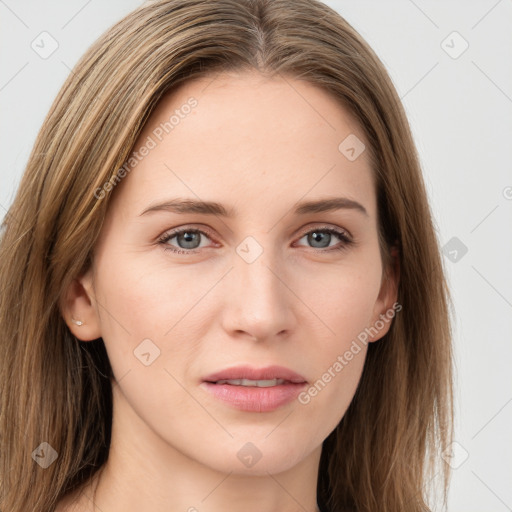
(189, 239)
(317, 237)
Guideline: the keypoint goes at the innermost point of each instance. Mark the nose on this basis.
(258, 303)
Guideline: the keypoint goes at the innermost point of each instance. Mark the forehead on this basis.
(239, 136)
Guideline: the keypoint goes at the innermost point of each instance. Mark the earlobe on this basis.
(387, 304)
(78, 309)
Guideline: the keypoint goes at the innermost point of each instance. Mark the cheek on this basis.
(343, 299)
(344, 303)
(337, 358)
(143, 298)
(147, 325)
(329, 395)
(154, 318)
(141, 309)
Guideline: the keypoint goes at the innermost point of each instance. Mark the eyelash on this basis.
(346, 241)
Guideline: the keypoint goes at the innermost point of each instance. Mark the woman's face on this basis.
(214, 265)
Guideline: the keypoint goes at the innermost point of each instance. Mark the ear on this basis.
(386, 305)
(78, 307)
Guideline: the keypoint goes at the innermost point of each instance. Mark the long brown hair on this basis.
(56, 390)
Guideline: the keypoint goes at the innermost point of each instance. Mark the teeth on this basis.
(255, 383)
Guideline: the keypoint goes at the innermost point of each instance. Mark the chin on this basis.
(257, 455)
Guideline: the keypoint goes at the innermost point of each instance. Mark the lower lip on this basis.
(254, 399)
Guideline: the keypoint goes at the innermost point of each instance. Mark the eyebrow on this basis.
(182, 206)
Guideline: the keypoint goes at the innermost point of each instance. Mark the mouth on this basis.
(255, 390)
(268, 383)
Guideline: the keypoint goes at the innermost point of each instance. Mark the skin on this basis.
(258, 145)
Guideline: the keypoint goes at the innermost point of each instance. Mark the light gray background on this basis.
(460, 110)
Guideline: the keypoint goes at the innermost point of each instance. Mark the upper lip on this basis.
(251, 373)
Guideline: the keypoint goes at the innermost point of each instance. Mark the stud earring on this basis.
(77, 322)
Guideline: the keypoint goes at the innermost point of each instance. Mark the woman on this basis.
(221, 284)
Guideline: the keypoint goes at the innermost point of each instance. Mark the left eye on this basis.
(324, 235)
(190, 239)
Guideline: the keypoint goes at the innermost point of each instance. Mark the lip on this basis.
(249, 372)
(255, 399)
